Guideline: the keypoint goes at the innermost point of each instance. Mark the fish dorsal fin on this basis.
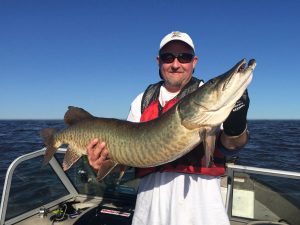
(75, 115)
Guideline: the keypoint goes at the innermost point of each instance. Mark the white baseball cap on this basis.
(177, 35)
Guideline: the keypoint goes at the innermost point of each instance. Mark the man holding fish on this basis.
(187, 190)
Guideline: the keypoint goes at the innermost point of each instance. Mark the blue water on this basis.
(273, 144)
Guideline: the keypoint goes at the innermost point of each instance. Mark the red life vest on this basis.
(191, 162)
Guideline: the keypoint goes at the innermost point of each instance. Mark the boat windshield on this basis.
(84, 179)
(34, 186)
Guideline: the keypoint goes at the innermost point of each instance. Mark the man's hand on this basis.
(97, 153)
(236, 122)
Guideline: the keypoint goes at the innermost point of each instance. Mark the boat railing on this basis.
(233, 178)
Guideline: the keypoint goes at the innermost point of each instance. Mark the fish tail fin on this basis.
(48, 138)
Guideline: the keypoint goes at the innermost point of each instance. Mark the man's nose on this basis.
(175, 63)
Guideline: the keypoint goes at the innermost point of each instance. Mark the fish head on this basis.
(211, 104)
(224, 90)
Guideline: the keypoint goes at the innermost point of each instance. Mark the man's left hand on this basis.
(236, 122)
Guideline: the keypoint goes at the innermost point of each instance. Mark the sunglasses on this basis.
(182, 57)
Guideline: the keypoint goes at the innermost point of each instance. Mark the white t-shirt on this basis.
(135, 109)
(171, 198)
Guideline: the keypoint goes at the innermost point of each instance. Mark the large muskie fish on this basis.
(195, 118)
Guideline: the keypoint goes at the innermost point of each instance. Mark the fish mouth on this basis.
(245, 79)
(239, 68)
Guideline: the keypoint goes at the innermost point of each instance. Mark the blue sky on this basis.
(99, 55)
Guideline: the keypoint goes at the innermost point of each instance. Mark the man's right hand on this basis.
(97, 153)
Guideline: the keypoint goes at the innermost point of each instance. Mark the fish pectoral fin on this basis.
(70, 158)
(105, 168)
(209, 148)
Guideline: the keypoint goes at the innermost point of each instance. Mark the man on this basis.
(183, 191)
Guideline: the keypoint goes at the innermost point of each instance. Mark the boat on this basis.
(35, 194)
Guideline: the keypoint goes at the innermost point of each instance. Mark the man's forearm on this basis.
(234, 142)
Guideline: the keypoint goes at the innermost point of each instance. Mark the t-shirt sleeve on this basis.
(135, 109)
